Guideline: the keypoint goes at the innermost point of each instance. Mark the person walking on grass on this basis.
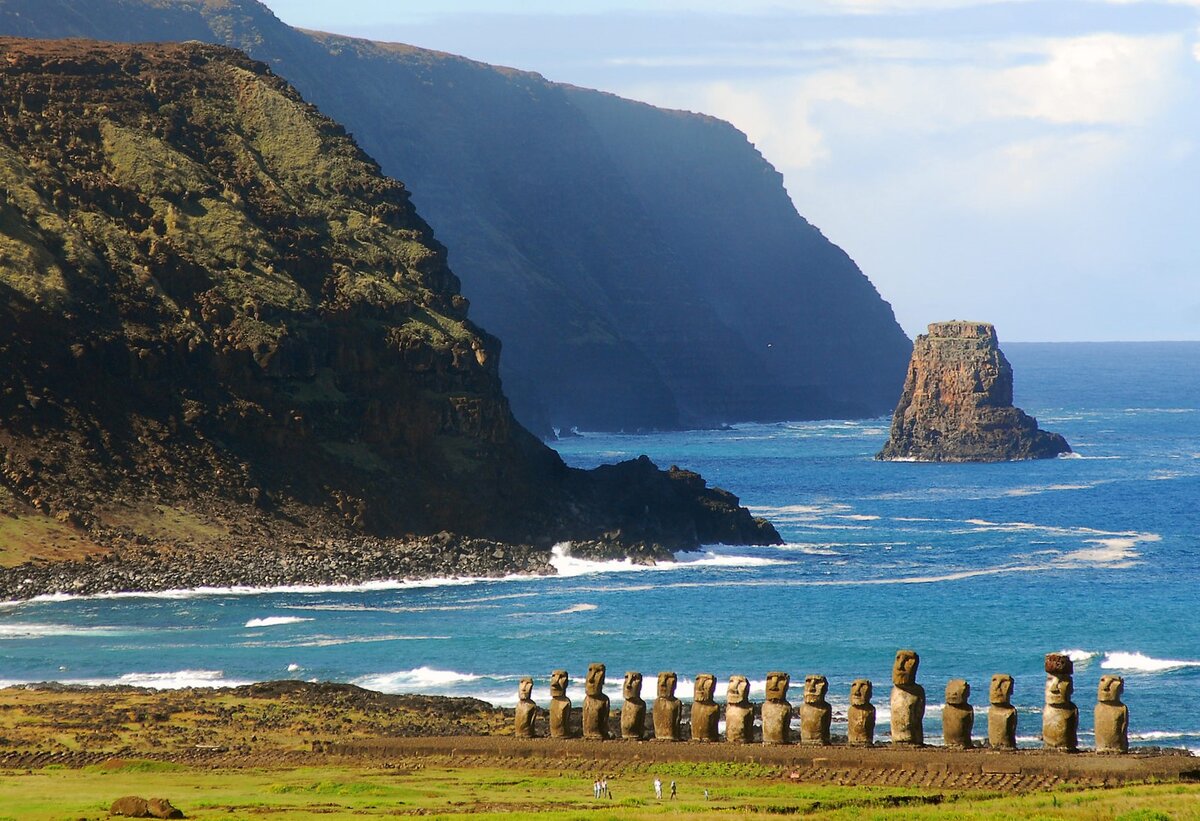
(658, 788)
(673, 796)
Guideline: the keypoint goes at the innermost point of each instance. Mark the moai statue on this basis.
(527, 711)
(1060, 717)
(667, 709)
(908, 700)
(560, 705)
(861, 717)
(958, 716)
(1112, 717)
(595, 705)
(1002, 716)
(815, 713)
(633, 711)
(739, 712)
(777, 711)
(705, 712)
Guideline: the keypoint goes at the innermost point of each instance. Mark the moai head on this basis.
(958, 692)
(666, 684)
(860, 692)
(632, 690)
(525, 689)
(595, 680)
(739, 690)
(777, 685)
(1001, 690)
(815, 688)
(1059, 670)
(904, 670)
(558, 683)
(706, 683)
(1111, 688)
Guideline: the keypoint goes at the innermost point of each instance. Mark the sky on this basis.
(1031, 164)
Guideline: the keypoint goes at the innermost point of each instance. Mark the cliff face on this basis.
(957, 403)
(218, 318)
(645, 268)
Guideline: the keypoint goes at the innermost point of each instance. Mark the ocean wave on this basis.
(1141, 663)
(174, 680)
(337, 641)
(275, 621)
(569, 566)
(1081, 657)
(38, 631)
(300, 589)
(1161, 735)
(1077, 455)
(294, 668)
(582, 607)
(419, 679)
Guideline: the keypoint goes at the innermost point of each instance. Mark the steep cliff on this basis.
(219, 323)
(957, 403)
(645, 268)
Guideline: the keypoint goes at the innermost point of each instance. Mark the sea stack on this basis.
(957, 403)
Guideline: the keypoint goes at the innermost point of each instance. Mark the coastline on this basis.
(138, 569)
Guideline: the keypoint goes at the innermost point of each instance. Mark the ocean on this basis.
(980, 568)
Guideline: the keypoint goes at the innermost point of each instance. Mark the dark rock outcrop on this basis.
(220, 324)
(957, 404)
(645, 268)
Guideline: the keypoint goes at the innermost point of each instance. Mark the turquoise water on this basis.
(981, 568)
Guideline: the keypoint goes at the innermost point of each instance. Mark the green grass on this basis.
(360, 793)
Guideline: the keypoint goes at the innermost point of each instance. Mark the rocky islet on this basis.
(957, 403)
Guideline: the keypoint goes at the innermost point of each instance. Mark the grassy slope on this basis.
(412, 789)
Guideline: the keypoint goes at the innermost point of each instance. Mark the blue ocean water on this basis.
(981, 568)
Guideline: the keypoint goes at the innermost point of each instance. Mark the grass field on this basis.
(334, 793)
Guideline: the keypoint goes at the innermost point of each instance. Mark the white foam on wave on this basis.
(1160, 735)
(1077, 455)
(337, 641)
(302, 589)
(38, 631)
(275, 621)
(569, 566)
(1138, 662)
(1079, 656)
(582, 607)
(294, 668)
(174, 680)
(417, 680)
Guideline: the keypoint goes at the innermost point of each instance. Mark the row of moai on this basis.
(1060, 717)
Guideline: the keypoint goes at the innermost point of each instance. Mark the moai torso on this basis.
(595, 705)
(527, 711)
(1060, 717)
(560, 705)
(958, 716)
(860, 719)
(633, 711)
(1111, 717)
(908, 700)
(776, 711)
(667, 709)
(739, 712)
(1002, 716)
(815, 713)
(705, 712)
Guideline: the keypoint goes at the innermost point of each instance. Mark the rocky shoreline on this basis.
(335, 562)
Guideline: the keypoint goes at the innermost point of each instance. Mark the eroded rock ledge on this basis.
(957, 403)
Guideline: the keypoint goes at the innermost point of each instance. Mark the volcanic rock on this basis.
(957, 403)
(645, 268)
(222, 327)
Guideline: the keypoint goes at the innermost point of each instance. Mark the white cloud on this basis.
(1100, 78)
